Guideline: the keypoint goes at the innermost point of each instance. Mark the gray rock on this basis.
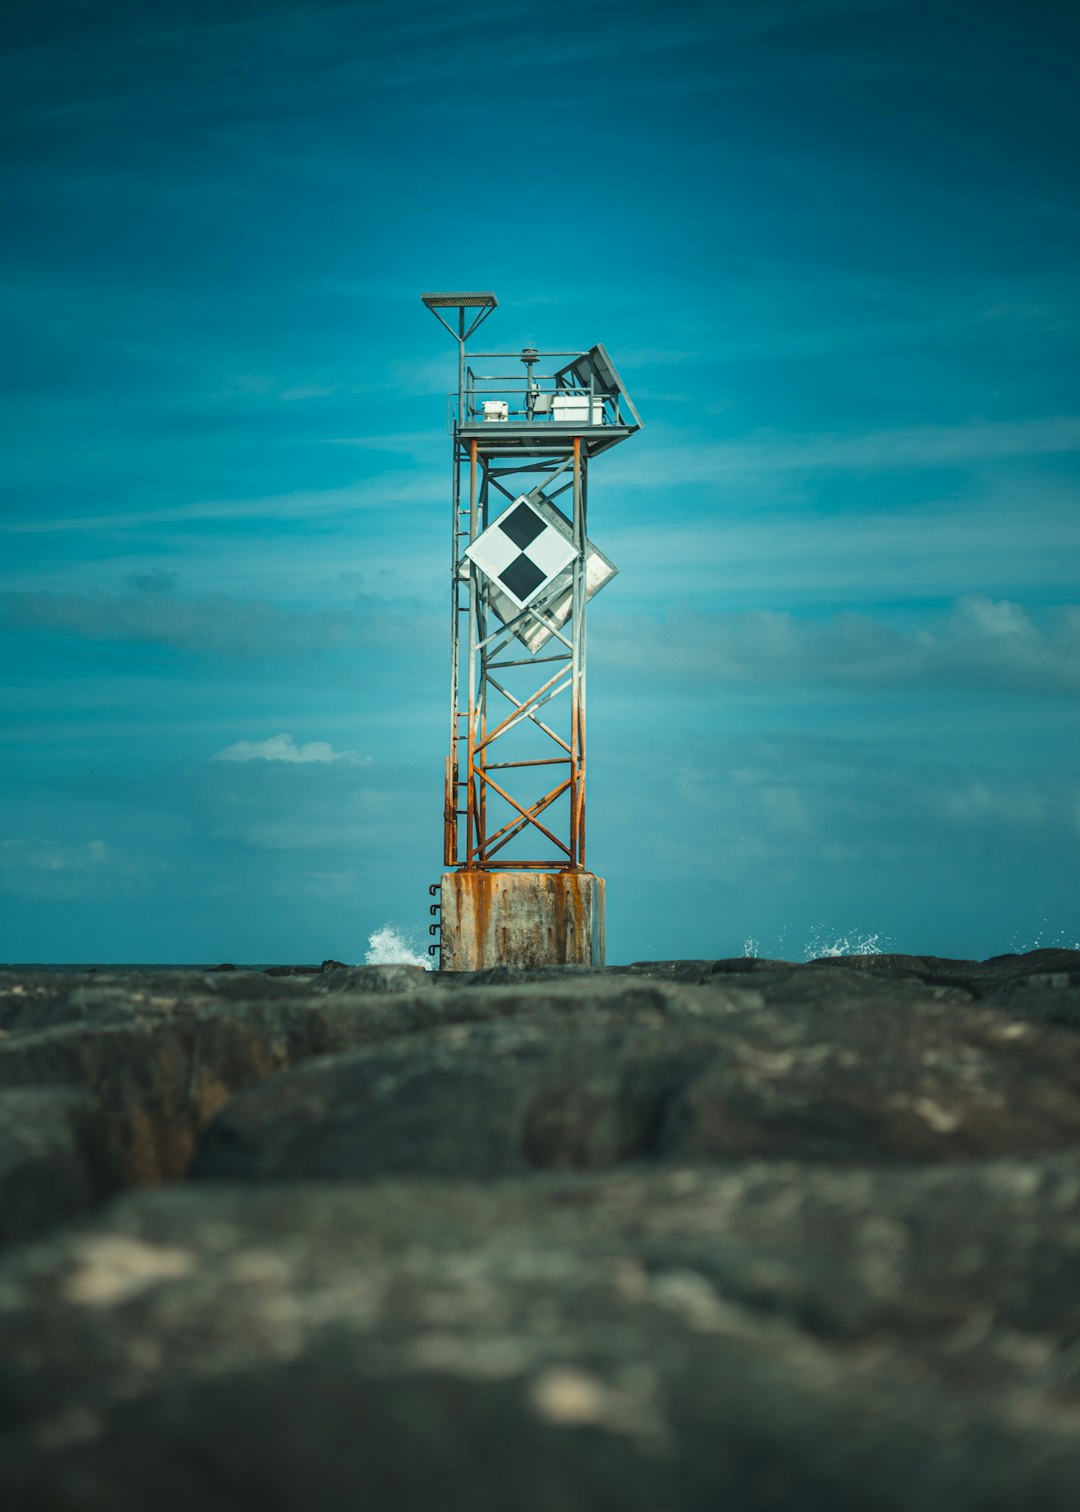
(664, 1073)
(701, 971)
(56, 1159)
(994, 978)
(164, 1055)
(743, 1233)
(767, 1337)
(397, 979)
(165, 1052)
(33, 1001)
(501, 976)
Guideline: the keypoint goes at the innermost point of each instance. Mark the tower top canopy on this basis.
(483, 304)
(460, 301)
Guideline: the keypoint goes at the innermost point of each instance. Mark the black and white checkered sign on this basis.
(521, 552)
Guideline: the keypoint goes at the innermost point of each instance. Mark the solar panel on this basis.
(595, 364)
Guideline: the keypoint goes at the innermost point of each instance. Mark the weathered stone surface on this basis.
(33, 1001)
(163, 1052)
(701, 971)
(396, 979)
(668, 1073)
(996, 977)
(992, 978)
(501, 976)
(56, 1159)
(738, 1233)
(166, 1052)
(765, 1336)
(1042, 985)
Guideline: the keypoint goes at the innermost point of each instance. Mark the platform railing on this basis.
(503, 402)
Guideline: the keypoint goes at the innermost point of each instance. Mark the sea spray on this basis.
(822, 943)
(390, 946)
(1044, 937)
(826, 942)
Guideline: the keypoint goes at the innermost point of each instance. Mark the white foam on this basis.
(392, 946)
(822, 942)
(825, 942)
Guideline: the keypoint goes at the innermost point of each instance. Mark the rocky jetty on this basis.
(653, 1239)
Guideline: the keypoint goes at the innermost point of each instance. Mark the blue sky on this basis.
(833, 248)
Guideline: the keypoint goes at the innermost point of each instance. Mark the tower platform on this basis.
(540, 438)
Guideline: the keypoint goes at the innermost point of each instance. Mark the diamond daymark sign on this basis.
(551, 600)
(521, 552)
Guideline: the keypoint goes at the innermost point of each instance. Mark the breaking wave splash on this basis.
(824, 942)
(821, 943)
(391, 946)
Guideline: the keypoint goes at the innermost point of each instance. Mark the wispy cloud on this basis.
(284, 748)
(38, 854)
(1016, 538)
(778, 808)
(158, 580)
(214, 623)
(35, 866)
(918, 446)
(314, 54)
(983, 644)
(405, 443)
(977, 803)
(383, 492)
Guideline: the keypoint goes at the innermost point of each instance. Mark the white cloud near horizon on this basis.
(981, 644)
(284, 748)
(36, 853)
(39, 867)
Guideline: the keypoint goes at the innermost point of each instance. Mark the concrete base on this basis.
(521, 919)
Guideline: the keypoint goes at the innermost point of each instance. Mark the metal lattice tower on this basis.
(522, 572)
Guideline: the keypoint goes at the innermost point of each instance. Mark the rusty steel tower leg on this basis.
(577, 696)
(523, 569)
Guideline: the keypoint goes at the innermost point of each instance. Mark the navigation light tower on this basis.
(516, 889)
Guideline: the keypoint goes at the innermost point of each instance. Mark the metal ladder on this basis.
(435, 891)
